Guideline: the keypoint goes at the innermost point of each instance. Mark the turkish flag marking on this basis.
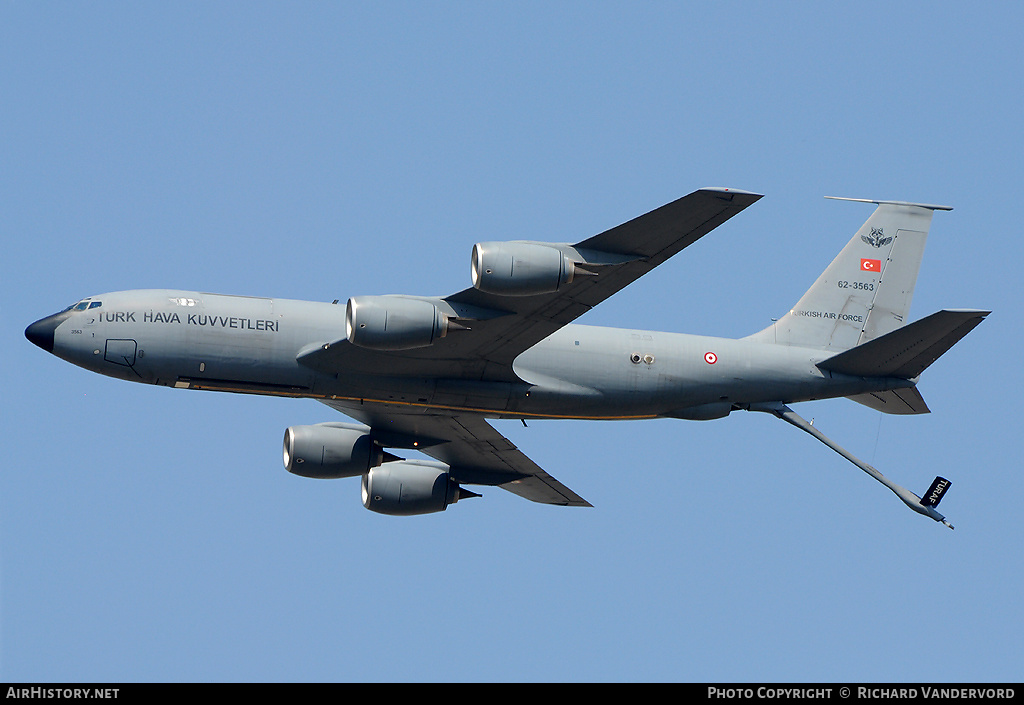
(871, 265)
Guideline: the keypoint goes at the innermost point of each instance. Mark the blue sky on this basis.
(324, 150)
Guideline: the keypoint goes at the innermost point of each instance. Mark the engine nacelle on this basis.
(330, 450)
(520, 268)
(410, 487)
(393, 322)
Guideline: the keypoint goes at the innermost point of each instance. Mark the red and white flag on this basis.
(871, 265)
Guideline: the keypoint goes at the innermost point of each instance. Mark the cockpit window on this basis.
(82, 305)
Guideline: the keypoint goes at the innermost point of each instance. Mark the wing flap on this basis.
(544, 489)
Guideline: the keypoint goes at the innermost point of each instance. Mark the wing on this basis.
(502, 327)
(475, 452)
(494, 329)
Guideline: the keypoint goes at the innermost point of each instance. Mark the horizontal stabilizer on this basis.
(929, 206)
(906, 352)
(894, 401)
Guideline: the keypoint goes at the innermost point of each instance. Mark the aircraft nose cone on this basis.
(41, 332)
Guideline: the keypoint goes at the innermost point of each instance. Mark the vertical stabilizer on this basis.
(866, 291)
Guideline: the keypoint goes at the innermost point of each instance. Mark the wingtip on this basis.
(733, 191)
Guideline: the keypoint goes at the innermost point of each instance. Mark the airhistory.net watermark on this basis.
(46, 693)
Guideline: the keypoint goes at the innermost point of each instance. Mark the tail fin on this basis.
(866, 291)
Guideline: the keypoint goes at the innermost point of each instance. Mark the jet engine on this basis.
(393, 322)
(331, 450)
(520, 268)
(410, 487)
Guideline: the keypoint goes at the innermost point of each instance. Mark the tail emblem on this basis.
(876, 238)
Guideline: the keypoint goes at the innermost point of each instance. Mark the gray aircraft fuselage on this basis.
(246, 344)
(422, 373)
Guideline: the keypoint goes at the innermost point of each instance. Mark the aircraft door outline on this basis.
(121, 351)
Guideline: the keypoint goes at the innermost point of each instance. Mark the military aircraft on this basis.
(424, 373)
